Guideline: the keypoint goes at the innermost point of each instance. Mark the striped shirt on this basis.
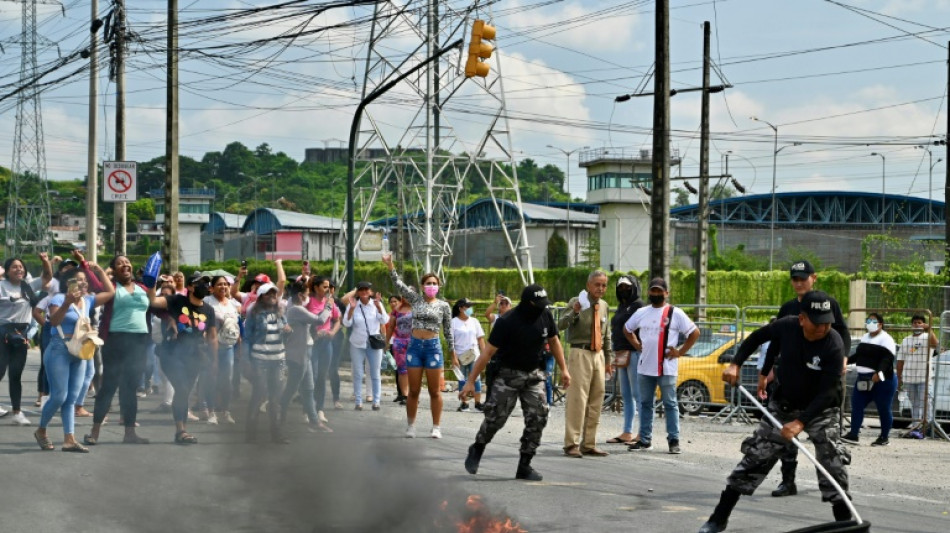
(271, 345)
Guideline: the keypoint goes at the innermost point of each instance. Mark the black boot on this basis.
(787, 486)
(841, 511)
(474, 457)
(524, 469)
(720, 518)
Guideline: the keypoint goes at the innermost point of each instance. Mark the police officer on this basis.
(517, 339)
(806, 399)
(803, 279)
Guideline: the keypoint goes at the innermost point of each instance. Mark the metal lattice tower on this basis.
(28, 212)
(448, 132)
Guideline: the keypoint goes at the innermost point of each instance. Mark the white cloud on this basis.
(611, 33)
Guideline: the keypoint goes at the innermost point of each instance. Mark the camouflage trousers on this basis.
(763, 449)
(508, 387)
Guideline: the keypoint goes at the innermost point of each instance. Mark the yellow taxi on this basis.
(699, 384)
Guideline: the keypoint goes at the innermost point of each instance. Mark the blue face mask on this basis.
(467, 311)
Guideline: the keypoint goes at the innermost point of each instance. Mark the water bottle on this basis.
(386, 252)
(152, 269)
(459, 376)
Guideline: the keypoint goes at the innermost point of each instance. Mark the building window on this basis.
(618, 180)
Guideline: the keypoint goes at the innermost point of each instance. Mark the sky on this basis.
(843, 79)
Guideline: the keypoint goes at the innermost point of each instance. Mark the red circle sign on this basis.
(119, 181)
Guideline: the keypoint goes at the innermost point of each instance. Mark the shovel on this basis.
(853, 525)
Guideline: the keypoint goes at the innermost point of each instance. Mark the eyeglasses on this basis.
(870, 321)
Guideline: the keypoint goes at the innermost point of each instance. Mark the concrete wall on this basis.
(625, 236)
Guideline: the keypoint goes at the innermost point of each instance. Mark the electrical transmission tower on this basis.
(434, 134)
(28, 211)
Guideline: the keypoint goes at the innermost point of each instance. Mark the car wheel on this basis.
(692, 397)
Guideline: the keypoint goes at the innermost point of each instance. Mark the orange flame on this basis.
(479, 519)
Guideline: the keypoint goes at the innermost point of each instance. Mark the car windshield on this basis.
(709, 343)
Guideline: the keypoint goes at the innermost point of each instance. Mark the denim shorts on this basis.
(424, 354)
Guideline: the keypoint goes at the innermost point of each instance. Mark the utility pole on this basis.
(660, 195)
(119, 219)
(170, 244)
(702, 226)
(946, 189)
(92, 168)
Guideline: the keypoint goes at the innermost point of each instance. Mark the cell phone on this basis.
(500, 292)
(72, 284)
(244, 263)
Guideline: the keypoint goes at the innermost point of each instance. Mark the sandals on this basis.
(183, 437)
(89, 440)
(618, 440)
(75, 448)
(45, 444)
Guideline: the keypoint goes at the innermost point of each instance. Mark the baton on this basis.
(801, 447)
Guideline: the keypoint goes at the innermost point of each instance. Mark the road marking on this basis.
(557, 484)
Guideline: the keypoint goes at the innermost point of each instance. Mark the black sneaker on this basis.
(638, 446)
(480, 407)
(881, 441)
(850, 438)
(675, 447)
(712, 527)
(462, 407)
(474, 457)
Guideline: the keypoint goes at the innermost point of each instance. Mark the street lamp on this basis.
(567, 183)
(930, 188)
(883, 187)
(775, 152)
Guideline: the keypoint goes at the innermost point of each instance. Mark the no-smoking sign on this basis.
(118, 181)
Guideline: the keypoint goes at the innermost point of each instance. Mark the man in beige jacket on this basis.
(588, 335)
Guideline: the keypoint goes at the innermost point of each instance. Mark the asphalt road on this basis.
(367, 477)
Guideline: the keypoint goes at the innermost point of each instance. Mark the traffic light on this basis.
(478, 49)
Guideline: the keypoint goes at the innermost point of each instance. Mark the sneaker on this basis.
(140, 392)
(850, 438)
(338, 406)
(19, 419)
(3, 412)
(192, 417)
(321, 417)
(639, 446)
(675, 447)
(881, 441)
(480, 407)
(213, 419)
(411, 432)
(436, 433)
(462, 407)
(227, 418)
(164, 407)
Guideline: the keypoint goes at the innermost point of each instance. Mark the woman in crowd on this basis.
(17, 300)
(179, 279)
(625, 357)
(124, 326)
(266, 325)
(425, 351)
(215, 387)
(398, 334)
(246, 294)
(299, 346)
(469, 340)
(322, 353)
(339, 347)
(877, 382)
(195, 338)
(66, 372)
(502, 304)
(365, 317)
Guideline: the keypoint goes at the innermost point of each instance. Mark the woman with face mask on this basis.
(17, 299)
(365, 316)
(195, 338)
(65, 371)
(469, 338)
(877, 382)
(625, 355)
(425, 351)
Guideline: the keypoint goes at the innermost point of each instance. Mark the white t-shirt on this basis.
(229, 307)
(466, 334)
(916, 353)
(882, 339)
(649, 320)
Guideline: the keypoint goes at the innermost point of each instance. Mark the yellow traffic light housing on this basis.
(479, 50)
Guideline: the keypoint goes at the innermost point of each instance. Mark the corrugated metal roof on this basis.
(546, 213)
(276, 219)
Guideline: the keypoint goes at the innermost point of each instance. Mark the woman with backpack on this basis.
(65, 371)
(215, 386)
(124, 326)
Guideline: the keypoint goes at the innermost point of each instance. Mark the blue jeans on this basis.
(65, 374)
(467, 370)
(265, 384)
(321, 359)
(375, 359)
(882, 394)
(216, 387)
(89, 372)
(549, 379)
(425, 354)
(647, 386)
(299, 378)
(181, 362)
(630, 390)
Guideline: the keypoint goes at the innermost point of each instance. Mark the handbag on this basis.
(85, 337)
(468, 357)
(376, 340)
(622, 358)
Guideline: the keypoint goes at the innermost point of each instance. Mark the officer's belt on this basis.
(582, 347)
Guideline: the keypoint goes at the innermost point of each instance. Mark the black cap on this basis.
(364, 285)
(66, 263)
(464, 302)
(535, 294)
(817, 305)
(802, 269)
(198, 277)
(659, 283)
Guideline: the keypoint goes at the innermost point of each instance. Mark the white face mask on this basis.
(872, 326)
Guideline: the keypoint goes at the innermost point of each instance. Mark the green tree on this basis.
(557, 251)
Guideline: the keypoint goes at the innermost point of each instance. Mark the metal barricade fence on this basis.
(752, 317)
(915, 400)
